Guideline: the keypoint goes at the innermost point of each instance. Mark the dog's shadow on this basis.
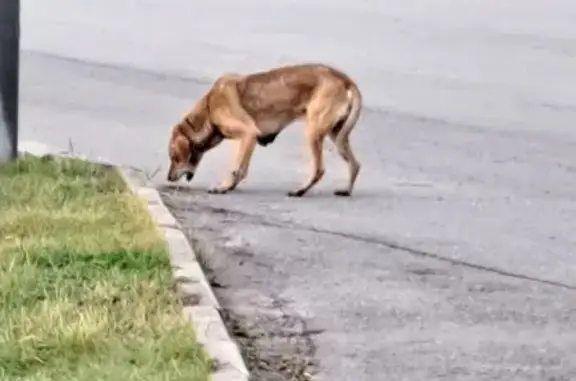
(267, 193)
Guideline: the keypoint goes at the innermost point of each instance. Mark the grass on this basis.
(86, 290)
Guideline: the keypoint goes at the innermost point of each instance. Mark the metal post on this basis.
(9, 77)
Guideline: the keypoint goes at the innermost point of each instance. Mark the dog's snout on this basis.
(175, 176)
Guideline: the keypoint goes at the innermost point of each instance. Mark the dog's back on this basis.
(283, 93)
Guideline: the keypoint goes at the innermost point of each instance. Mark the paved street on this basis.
(454, 259)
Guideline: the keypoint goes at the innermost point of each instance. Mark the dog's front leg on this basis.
(239, 171)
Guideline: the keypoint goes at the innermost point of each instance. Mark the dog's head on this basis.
(184, 156)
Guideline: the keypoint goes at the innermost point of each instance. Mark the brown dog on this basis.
(253, 109)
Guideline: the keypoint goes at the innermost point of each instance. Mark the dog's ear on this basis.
(179, 146)
(183, 146)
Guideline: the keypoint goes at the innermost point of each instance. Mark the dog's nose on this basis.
(189, 176)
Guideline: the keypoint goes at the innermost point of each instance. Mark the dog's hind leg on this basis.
(333, 111)
(318, 124)
(315, 141)
(340, 135)
(344, 150)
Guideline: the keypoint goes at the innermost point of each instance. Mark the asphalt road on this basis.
(454, 259)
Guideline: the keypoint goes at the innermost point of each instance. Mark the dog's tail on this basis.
(343, 127)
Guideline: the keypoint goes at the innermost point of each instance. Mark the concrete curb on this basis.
(204, 314)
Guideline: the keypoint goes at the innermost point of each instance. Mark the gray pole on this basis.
(9, 77)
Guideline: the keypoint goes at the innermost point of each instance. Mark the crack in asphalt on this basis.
(259, 220)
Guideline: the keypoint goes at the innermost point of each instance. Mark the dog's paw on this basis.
(296, 193)
(342, 193)
(217, 190)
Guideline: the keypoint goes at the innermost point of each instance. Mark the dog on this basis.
(253, 109)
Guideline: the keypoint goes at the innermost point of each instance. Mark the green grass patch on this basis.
(86, 290)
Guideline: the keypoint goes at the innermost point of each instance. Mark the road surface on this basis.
(455, 259)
